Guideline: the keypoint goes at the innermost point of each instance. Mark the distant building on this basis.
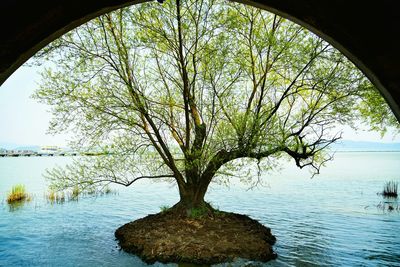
(50, 150)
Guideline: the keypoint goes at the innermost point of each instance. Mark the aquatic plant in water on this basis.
(75, 192)
(59, 197)
(107, 190)
(390, 189)
(56, 197)
(17, 194)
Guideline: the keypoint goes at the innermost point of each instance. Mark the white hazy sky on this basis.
(23, 121)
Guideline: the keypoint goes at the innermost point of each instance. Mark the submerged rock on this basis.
(217, 238)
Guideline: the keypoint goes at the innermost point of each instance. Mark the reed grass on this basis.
(56, 197)
(107, 190)
(75, 192)
(390, 189)
(17, 194)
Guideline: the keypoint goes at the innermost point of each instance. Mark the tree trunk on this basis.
(192, 200)
(193, 196)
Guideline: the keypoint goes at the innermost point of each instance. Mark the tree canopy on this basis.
(181, 90)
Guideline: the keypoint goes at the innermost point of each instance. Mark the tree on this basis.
(184, 89)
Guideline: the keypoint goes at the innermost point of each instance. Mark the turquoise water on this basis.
(330, 220)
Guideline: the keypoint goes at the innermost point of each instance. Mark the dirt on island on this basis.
(220, 237)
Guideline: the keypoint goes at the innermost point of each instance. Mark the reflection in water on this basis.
(15, 206)
(390, 204)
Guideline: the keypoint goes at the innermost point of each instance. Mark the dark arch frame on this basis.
(364, 31)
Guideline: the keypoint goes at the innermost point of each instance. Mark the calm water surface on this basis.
(330, 220)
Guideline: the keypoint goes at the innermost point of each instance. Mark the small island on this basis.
(211, 238)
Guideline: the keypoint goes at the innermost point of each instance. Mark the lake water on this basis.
(330, 220)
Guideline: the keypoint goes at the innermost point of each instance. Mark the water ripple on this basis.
(319, 222)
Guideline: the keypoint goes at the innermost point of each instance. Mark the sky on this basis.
(23, 121)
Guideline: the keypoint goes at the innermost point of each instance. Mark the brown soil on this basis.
(216, 238)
